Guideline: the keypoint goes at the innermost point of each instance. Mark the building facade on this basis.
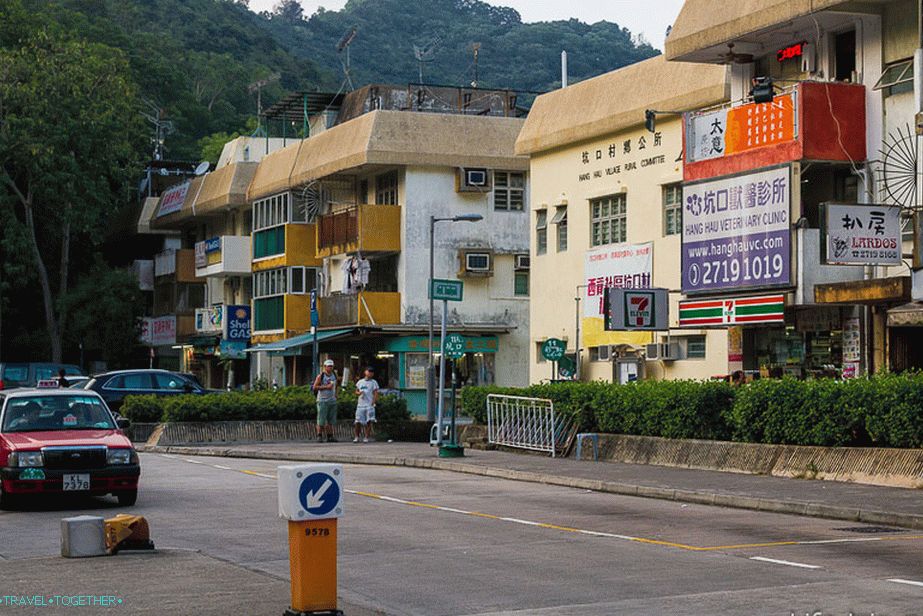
(606, 203)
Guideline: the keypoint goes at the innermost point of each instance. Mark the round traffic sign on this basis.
(454, 346)
(566, 367)
(553, 349)
(319, 494)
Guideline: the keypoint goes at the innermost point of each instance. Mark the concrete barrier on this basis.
(869, 465)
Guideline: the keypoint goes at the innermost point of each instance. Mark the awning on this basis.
(908, 315)
(293, 346)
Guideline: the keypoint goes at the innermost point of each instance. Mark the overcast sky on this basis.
(649, 18)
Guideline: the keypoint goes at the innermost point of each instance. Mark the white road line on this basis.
(224, 468)
(784, 562)
(194, 462)
(910, 582)
(850, 540)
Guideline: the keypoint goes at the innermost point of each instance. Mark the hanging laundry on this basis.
(364, 268)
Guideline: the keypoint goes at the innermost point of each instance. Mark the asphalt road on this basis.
(431, 543)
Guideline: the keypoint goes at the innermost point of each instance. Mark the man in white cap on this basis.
(325, 390)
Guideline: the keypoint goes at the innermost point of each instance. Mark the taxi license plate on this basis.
(76, 483)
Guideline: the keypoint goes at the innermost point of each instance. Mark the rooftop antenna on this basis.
(425, 54)
(342, 46)
(476, 47)
(257, 86)
(156, 115)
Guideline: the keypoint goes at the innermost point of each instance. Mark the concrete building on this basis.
(347, 212)
(837, 136)
(606, 205)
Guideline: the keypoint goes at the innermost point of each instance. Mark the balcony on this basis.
(285, 246)
(361, 228)
(178, 264)
(811, 121)
(228, 255)
(365, 308)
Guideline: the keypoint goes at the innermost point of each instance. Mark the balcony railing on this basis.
(365, 308)
(360, 228)
(180, 264)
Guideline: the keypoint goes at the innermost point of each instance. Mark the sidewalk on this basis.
(826, 499)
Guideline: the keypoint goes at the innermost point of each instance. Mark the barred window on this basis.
(271, 212)
(386, 188)
(509, 190)
(609, 220)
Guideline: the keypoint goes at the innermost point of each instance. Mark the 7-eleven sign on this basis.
(639, 308)
(636, 309)
(735, 311)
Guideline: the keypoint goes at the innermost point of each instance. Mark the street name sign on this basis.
(454, 346)
(553, 349)
(447, 290)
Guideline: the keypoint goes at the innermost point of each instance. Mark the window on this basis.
(600, 353)
(271, 212)
(695, 347)
(386, 188)
(521, 284)
(509, 191)
(560, 219)
(541, 232)
(269, 314)
(896, 78)
(169, 382)
(672, 209)
(907, 229)
(302, 280)
(844, 45)
(270, 282)
(269, 242)
(609, 220)
(362, 193)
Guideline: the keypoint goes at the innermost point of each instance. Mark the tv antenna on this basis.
(157, 116)
(425, 54)
(476, 48)
(342, 46)
(257, 86)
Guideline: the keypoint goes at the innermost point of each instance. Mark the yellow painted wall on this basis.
(301, 245)
(385, 308)
(562, 176)
(297, 314)
(380, 228)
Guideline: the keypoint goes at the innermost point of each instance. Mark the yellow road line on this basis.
(594, 533)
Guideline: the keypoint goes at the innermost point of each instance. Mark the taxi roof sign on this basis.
(48, 384)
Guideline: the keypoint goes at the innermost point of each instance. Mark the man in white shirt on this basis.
(367, 390)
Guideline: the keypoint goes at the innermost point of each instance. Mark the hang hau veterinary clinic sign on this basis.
(737, 233)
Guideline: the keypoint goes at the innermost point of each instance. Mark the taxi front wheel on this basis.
(7, 500)
(127, 498)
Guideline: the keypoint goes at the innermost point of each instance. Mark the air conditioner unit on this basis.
(477, 262)
(473, 180)
(663, 351)
(522, 262)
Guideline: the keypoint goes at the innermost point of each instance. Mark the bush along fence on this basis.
(884, 410)
(289, 403)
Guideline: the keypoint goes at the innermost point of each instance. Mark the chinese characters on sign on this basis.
(158, 331)
(172, 200)
(626, 266)
(740, 129)
(852, 347)
(736, 232)
(862, 234)
(622, 156)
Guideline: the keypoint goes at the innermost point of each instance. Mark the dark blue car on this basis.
(114, 386)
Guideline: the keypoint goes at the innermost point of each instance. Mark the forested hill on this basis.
(195, 58)
(512, 54)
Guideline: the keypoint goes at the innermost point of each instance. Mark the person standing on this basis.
(325, 390)
(367, 390)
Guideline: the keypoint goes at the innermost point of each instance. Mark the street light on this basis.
(430, 386)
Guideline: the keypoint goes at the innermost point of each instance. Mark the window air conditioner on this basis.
(473, 180)
(477, 262)
(522, 262)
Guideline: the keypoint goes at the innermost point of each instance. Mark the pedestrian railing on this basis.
(527, 423)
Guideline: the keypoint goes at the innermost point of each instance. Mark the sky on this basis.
(651, 20)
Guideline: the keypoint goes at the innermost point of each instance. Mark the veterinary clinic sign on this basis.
(861, 234)
(736, 232)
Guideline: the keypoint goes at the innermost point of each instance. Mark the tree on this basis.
(69, 134)
(288, 10)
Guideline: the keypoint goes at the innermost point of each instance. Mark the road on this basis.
(428, 542)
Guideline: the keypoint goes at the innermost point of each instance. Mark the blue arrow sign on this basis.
(319, 494)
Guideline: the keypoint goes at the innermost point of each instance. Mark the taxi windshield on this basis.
(43, 413)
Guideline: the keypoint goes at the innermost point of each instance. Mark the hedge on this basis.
(284, 404)
(884, 410)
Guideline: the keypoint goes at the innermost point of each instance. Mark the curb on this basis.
(734, 501)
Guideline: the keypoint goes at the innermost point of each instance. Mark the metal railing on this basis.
(338, 228)
(526, 423)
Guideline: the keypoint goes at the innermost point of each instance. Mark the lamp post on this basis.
(577, 332)
(430, 376)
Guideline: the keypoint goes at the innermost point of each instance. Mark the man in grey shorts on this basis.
(325, 389)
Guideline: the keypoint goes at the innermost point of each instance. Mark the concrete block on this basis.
(83, 536)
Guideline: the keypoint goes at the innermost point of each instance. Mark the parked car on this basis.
(76, 382)
(114, 386)
(56, 441)
(28, 374)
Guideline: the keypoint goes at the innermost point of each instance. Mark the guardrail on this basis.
(527, 423)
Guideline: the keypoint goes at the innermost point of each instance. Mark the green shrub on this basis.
(284, 404)
(142, 409)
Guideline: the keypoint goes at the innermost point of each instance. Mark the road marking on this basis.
(784, 562)
(910, 582)
(594, 533)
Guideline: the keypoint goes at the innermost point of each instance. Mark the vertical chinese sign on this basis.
(622, 266)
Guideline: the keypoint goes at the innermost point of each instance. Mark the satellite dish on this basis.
(203, 167)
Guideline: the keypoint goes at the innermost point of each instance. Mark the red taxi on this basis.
(57, 441)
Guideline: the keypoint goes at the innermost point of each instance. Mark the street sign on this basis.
(454, 346)
(310, 491)
(447, 290)
(567, 367)
(553, 349)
